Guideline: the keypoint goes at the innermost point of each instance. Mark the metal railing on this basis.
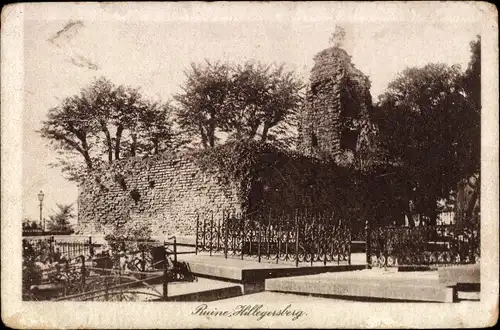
(424, 245)
(50, 249)
(125, 269)
(298, 238)
(40, 232)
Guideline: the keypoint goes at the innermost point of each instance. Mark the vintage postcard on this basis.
(249, 165)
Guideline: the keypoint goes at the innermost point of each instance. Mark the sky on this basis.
(153, 54)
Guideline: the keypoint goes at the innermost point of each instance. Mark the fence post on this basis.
(175, 249)
(51, 248)
(143, 260)
(242, 234)
(279, 241)
(91, 246)
(368, 242)
(349, 247)
(106, 289)
(268, 235)
(325, 241)
(196, 238)
(217, 247)
(313, 223)
(341, 233)
(165, 276)
(259, 239)
(287, 240)
(204, 230)
(296, 240)
(83, 272)
(226, 233)
(211, 231)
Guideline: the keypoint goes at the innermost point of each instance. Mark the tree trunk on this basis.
(211, 133)
(264, 132)
(108, 141)
(119, 131)
(133, 145)
(156, 145)
(212, 123)
(85, 153)
(83, 149)
(253, 130)
(409, 215)
(203, 137)
(211, 140)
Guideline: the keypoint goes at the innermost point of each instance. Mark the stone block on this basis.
(363, 288)
(462, 274)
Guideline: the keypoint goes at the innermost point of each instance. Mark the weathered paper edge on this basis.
(18, 314)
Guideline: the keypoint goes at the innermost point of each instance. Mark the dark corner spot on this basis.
(135, 195)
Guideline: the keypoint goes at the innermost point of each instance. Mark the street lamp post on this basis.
(40, 198)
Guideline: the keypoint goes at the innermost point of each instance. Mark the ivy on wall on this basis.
(305, 181)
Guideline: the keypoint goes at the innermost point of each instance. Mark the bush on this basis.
(126, 236)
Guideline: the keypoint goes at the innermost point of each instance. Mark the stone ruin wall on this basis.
(164, 192)
(330, 106)
(302, 186)
(170, 190)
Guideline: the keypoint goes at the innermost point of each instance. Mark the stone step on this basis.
(201, 290)
(251, 271)
(462, 274)
(366, 288)
(466, 295)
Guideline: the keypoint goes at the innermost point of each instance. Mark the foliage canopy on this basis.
(245, 102)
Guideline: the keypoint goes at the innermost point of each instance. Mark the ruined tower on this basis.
(334, 123)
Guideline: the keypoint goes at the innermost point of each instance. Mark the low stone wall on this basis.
(164, 192)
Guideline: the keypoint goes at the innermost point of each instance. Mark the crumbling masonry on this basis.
(165, 192)
(335, 121)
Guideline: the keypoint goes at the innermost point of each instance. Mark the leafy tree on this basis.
(60, 220)
(265, 100)
(204, 108)
(429, 124)
(470, 150)
(31, 225)
(245, 102)
(103, 123)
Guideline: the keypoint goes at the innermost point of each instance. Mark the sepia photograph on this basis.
(249, 165)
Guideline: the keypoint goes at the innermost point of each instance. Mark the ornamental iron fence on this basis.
(424, 245)
(122, 270)
(298, 238)
(50, 249)
(40, 232)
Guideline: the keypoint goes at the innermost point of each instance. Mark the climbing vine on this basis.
(235, 162)
(303, 180)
